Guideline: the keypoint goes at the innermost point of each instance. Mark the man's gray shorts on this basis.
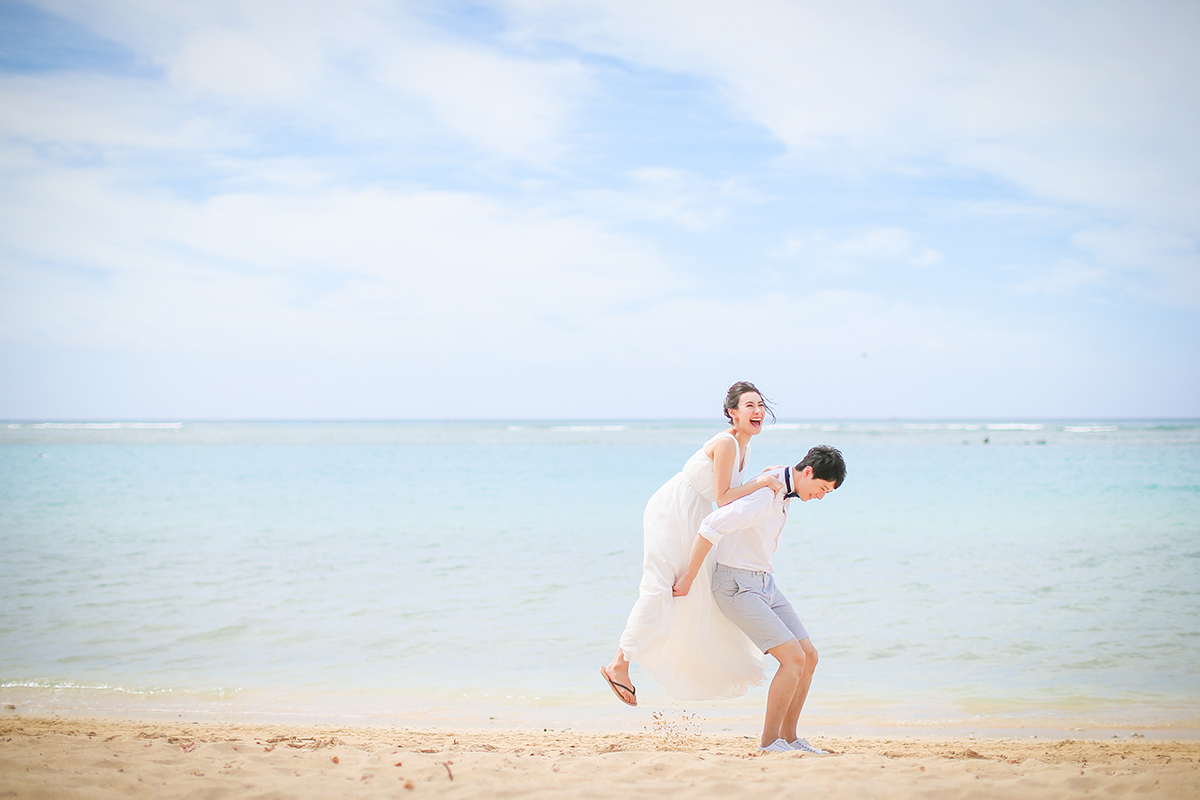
(751, 600)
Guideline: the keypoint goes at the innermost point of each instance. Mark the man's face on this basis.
(809, 488)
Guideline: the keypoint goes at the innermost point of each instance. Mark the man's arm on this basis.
(700, 549)
(745, 512)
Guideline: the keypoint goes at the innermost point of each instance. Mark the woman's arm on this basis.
(723, 455)
(750, 487)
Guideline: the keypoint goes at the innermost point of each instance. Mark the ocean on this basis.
(988, 575)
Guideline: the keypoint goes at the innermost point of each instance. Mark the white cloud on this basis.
(361, 69)
(349, 271)
(240, 65)
(820, 250)
(515, 108)
(434, 283)
(1083, 103)
(102, 117)
(677, 196)
(304, 186)
(845, 354)
(1132, 262)
(1067, 277)
(1166, 265)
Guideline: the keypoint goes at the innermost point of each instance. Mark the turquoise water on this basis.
(967, 573)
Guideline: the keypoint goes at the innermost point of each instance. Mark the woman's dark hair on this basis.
(827, 464)
(734, 396)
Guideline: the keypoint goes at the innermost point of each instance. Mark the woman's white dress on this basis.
(686, 644)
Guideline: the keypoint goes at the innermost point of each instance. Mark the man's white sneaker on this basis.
(803, 746)
(777, 746)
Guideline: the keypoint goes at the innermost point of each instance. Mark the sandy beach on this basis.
(55, 757)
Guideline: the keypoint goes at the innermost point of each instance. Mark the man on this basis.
(746, 534)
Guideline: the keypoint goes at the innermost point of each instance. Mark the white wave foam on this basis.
(940, 426)
(104, 426)
(1090, 428)
(588, 428)
(1016, 426)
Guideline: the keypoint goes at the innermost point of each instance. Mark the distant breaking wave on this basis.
(949, 426)
(589, 428)
(968, 426)
(101, 426)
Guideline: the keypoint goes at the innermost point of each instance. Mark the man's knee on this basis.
(791, 656)
(810, 654)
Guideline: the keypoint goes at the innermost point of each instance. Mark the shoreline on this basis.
(598, 713)
(624, 724)
(102, 757)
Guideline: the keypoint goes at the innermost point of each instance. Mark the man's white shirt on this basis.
(745, 533)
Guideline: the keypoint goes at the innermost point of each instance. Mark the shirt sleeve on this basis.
(745, 512)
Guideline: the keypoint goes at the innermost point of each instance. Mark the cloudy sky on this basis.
(598, 208)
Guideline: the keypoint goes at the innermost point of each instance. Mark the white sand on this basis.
(53, 757)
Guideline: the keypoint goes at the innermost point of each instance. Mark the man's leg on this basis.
(792, 716)
(785, 686)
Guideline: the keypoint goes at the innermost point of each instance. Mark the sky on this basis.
(574, 209)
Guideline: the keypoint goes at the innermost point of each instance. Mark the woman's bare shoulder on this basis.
(723, 442)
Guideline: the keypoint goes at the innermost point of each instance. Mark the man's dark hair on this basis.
(827, 464)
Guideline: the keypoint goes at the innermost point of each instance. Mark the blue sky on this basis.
(570, 209)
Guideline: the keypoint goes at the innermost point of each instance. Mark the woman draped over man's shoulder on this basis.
(686, 644)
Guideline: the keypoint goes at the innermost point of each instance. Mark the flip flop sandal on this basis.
(613, 685)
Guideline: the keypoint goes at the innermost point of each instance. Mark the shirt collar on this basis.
(787, 482)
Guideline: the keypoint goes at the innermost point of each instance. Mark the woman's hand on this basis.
(682, 586)
(774, 483)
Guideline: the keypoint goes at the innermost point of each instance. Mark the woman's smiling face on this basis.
(748, 415)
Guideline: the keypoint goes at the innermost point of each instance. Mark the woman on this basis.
(686, 644)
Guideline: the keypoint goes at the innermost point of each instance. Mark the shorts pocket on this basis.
(725, 585)
(751, 588)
